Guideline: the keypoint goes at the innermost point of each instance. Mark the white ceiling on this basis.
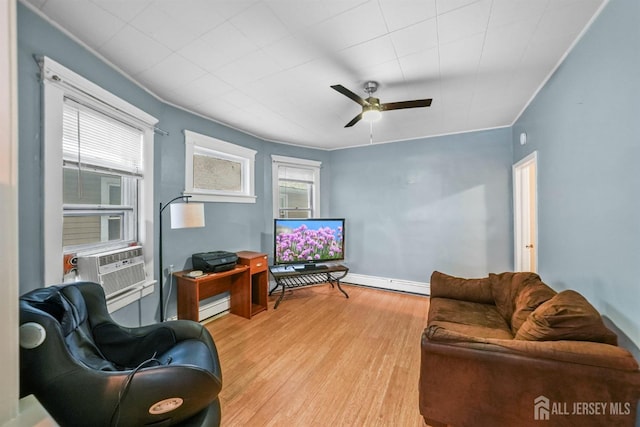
(265, 66)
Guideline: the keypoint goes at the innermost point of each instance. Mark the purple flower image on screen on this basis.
(304, 244)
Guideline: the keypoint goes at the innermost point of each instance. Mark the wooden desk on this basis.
(257, 263)
(193, 290)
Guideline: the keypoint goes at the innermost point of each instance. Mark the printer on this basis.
(214, 262)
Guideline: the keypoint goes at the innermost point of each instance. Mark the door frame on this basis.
(521, 195)
(9, 215)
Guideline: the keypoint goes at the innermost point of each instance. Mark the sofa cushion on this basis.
(566, 316)
(476, 290)
(468, 318)
(527, 300)
(505, 288)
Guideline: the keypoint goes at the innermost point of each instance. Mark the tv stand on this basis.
(310, 267)
(292, 277)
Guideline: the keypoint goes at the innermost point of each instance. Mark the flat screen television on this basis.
(309, 240)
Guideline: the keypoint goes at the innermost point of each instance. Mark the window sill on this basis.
(31, 413)
(226, 198)
(132, 295)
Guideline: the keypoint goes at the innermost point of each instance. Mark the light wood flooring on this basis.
(323, 360)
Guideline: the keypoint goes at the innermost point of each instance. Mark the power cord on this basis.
(166, 304)
(124, 388)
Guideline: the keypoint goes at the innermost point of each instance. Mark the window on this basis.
(97, 208)
(98, 170)
(218, 171)
(296, 187)
(102, 164)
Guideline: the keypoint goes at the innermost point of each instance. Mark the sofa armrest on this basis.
(475, 290)
(481, 384)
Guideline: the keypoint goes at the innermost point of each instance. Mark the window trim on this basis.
(59, 82)
(315, 165)
(194, 143)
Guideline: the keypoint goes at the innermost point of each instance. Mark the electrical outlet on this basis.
(170, 269)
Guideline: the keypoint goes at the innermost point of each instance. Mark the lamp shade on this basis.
(187, 215)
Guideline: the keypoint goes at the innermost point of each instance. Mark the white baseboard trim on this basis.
(421, 288)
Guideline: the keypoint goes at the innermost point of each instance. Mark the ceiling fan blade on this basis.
(355, 120)
(406, 104)
(346, 92)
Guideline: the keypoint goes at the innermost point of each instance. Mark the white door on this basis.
(525, 211)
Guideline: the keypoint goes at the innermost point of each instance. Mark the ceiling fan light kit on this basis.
(371, 114)
(371, 107)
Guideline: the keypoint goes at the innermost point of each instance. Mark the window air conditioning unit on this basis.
(117, 271)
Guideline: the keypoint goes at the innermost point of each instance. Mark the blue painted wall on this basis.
(229, 226)
(412, 207)
(585, 125)
(439, 203)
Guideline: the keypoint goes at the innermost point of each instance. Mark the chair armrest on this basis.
(33, 373)
(196, 386)
(124, 397)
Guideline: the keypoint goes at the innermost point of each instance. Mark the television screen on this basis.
(311, 240)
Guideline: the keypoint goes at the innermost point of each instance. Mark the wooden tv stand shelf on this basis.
(290, 277)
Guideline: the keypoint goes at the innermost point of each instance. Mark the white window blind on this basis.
(93, 139)
(296, 174)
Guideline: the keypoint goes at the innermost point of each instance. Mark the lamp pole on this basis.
(161, 272)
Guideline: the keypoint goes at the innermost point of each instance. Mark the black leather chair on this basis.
(86, 370)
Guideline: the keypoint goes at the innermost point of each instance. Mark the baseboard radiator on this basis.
(420, 288)
(210, 309)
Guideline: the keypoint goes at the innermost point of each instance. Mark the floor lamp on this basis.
(183, 215)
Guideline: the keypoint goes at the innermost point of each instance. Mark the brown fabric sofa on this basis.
(507, 350)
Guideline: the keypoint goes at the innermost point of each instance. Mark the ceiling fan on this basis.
(372, 108)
